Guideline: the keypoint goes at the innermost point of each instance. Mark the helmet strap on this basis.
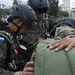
(15, 24)
(19, 28)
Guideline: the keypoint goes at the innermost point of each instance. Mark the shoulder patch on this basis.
(2, 39)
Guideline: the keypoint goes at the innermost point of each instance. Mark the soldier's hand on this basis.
(66, 43)
(28, 70)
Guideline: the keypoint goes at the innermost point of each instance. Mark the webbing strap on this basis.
(9, 44)
(4, 34)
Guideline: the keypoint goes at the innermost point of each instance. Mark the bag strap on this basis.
(9, 44)
(6, 36)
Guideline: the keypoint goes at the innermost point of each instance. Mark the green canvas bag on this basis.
(49, 62)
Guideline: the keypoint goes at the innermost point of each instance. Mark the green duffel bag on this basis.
(49, 62)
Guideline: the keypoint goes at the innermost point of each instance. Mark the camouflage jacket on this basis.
(30, 41)
(64, 32)
(41, 29)
(13, 58)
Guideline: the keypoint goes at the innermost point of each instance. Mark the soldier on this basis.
(12, 52)
(40, 7)
(30, 39)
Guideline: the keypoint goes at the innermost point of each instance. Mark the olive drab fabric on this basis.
(49, 62)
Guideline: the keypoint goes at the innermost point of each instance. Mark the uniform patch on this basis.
(2, 39)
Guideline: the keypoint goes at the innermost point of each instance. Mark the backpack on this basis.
(49, 62)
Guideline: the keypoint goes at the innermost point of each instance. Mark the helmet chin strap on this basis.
(19, 27)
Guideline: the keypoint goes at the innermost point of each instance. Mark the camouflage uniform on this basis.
(65, 31)
(30, 41)
(13, 58)
(32, 37)
(41, 29)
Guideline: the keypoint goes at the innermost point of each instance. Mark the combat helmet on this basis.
(24, 12)
(40, 6)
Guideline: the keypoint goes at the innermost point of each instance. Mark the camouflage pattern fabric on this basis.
(52, 23)
(31, 38)
(40, 29)
(10, 59)
(64, 31)
(4, 64)
(30, 41)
